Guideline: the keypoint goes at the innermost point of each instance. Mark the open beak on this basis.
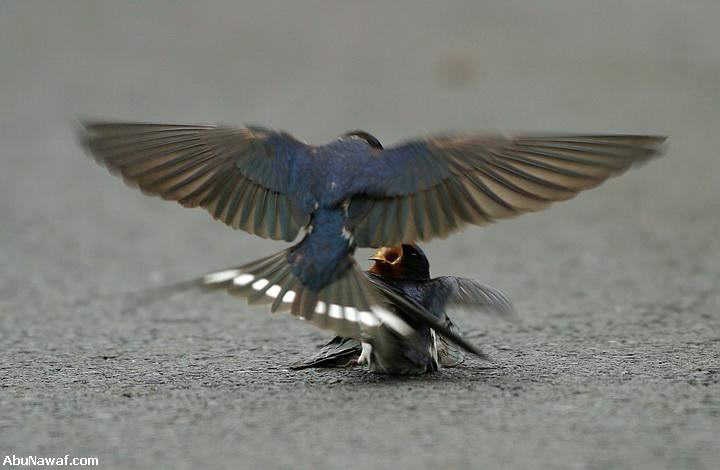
(387, 255)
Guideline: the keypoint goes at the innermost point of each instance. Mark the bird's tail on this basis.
(352, 305)
(346, 305)
(339, 352)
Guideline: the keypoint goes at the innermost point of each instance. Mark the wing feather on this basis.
(459, 292)
(222, 169)
(450, 181)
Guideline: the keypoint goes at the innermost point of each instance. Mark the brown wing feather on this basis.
(214, 167)
(478, 180)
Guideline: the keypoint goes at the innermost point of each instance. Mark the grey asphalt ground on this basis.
(616, 363)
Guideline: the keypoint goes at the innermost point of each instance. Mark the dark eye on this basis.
(413, 254)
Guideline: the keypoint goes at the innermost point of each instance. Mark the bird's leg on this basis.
(364, 359)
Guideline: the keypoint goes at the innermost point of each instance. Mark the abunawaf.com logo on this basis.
(35, 461)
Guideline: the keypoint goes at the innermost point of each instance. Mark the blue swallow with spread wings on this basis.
(351, 193)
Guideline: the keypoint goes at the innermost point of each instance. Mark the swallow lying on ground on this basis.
(406, 270)
(351, 193)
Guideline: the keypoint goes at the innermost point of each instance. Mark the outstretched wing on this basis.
(242, 176)
(429, 188)
(459, 292)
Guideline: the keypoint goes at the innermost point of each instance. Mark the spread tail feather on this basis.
(347, 305)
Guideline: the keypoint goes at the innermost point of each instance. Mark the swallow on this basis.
(351, 193)
(406, 270)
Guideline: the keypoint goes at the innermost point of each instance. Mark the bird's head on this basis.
(371, 140)
(401, 262)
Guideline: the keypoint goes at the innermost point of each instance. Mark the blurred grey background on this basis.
(616, 363)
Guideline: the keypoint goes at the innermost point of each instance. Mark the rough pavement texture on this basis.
(616, 364)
